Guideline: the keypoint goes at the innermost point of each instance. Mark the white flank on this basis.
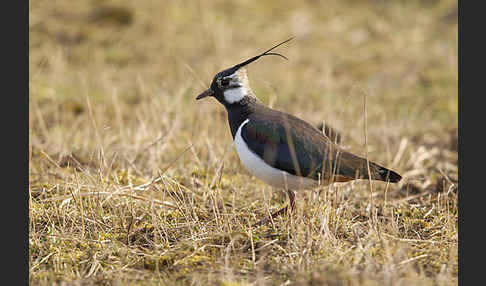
(233, 95)
(265, 172)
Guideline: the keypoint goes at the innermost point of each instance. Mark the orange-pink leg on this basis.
(284, 210)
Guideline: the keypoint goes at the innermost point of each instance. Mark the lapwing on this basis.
(279, 148)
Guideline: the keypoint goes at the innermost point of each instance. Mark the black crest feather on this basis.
(266, 53)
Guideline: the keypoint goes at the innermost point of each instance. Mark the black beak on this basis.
(207, 92)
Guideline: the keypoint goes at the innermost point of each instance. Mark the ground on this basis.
(133, 182)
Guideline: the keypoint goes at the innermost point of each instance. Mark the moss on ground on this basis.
(131, 182)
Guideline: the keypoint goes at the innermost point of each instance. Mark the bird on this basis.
(281, 149)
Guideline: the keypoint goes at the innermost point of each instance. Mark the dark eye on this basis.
(225, 82)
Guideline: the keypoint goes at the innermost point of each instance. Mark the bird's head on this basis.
(231, 85)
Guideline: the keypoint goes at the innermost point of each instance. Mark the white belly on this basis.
(265, 172)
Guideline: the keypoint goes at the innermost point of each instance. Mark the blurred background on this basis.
(401, 54)
(112, 87)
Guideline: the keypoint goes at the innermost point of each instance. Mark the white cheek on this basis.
(235, 94)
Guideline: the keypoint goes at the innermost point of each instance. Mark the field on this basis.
(134, 182)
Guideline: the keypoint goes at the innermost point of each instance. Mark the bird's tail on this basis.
(382, 174)
(352, 167)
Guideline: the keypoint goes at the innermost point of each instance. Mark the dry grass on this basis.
(133, 182)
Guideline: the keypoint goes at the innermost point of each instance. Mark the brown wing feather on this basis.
(318, 156)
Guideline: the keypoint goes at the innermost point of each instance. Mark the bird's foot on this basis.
(282, 211)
